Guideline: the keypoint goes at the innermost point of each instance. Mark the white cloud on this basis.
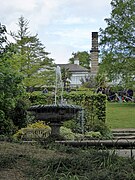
(19, 5)
(75, 20)
(64, 26)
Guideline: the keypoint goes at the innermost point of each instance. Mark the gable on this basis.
(73, 67)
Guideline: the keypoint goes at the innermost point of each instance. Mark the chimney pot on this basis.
(76, 61)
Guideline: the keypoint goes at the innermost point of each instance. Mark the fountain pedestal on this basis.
(55, 128)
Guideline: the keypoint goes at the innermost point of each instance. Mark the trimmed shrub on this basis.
(94, 108)
(41, 98)
(95, 104)
(33, 132)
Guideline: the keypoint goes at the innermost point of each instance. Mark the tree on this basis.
(11, 88)
(31, 58)
(94, 82)
(66, 75)
(3, 38)
(83, 57)
(118, 43)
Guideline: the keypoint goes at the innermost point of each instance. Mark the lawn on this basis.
(121, 115)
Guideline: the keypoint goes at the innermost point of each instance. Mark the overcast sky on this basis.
(63, 26)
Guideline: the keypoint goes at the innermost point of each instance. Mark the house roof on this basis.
(73, 67)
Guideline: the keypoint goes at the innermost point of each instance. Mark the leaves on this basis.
(118, 43)
(11, 88)
(83, 57)
(31, 59)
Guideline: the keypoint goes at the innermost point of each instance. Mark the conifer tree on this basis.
(31, 57)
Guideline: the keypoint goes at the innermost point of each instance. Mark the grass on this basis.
(30, 162)
(121, 115)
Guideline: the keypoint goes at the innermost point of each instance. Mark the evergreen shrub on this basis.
(41, 98)
(33, 131)
(94, 106)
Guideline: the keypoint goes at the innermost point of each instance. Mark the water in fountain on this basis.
(58, 84)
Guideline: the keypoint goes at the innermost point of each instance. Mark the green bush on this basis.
(19, 114)
(94, 106)
(33, 132)
(41, 98)
(93, 134)
(11, 91)
(6, 124)
(67, 133)
(74, 125)
(94, 103)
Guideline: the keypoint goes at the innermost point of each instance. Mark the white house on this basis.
(78, 72)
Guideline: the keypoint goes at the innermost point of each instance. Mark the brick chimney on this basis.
(94, 54)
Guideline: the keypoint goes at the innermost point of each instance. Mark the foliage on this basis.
(81, 88)
(94, 82)
(3, 38)
(31, 58)
(19, 114)
(94, 105)
(33, 162)
(67, 133)
(117, 43)
(93, 134)
(34, 131)
(101, 80)
(74, 125)
(6, 124)
(89, 82)
(11, 87)
(66, 75)
(83, 57)
(39, 124)
(41, 98)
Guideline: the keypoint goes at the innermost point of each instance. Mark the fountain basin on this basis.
(54, 115)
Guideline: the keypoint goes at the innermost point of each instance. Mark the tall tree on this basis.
(3, 38)
(83, 57)
(11, 88)
(31, 57)
(117, 42)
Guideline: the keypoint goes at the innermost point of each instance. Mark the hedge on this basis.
(95, 104)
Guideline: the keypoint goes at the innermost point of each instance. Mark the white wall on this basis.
(76, 77)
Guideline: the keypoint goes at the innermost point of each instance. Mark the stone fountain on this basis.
(55, 114)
